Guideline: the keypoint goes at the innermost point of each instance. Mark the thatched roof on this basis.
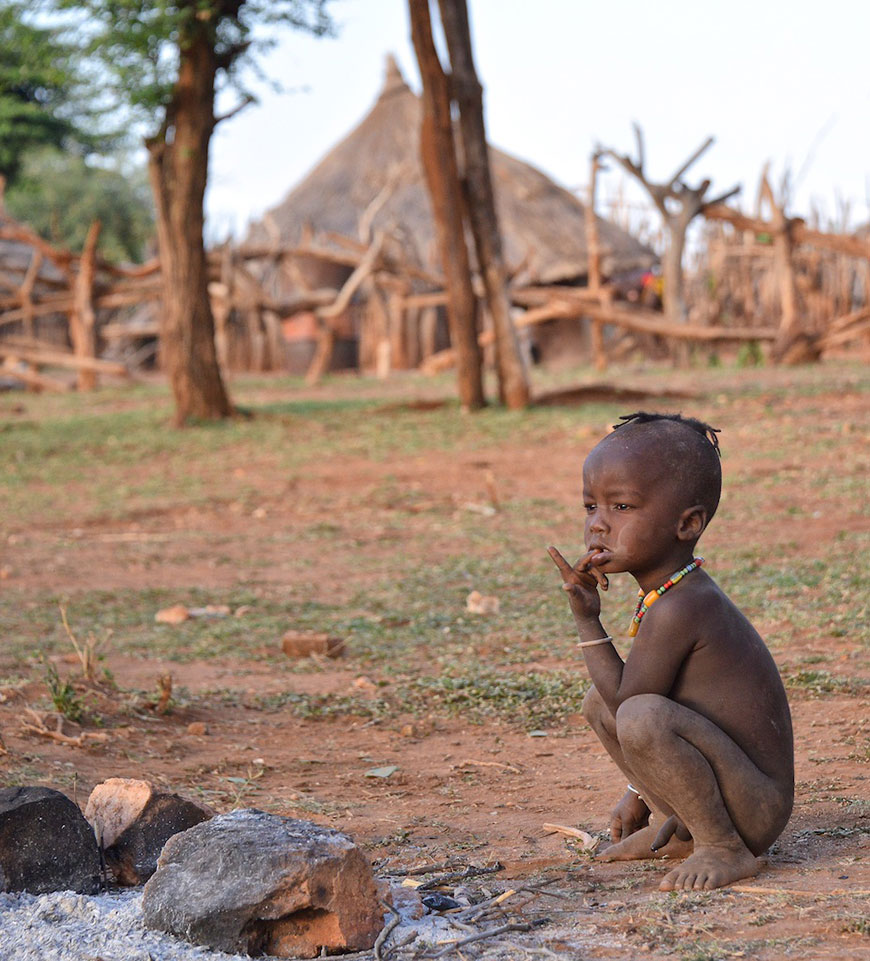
(543, 225)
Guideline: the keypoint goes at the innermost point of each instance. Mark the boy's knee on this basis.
(594, 708)
(640, 718)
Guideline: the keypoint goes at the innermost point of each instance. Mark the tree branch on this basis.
(701, 150)
(722, 197)
(246, 101)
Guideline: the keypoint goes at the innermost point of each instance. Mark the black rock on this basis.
(440, 902)
(45, 843)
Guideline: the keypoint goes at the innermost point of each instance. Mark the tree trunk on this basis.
(438, 154)
(673, 294)
(468, 94)
(178, 169)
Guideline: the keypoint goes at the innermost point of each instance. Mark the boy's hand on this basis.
(581, 583)
(630, 815)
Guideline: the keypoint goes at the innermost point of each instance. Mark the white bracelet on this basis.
(598, 640)
(634, 790)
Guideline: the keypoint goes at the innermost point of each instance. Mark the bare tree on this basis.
(678, 204)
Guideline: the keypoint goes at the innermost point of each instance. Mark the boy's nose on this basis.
(595, 522)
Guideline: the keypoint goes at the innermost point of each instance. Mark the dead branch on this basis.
(38, 726)
(490, 933)
(471, 871)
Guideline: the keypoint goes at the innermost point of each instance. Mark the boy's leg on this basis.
(637, 845)
(732, 809)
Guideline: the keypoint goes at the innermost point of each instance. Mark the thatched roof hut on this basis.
(543, 225)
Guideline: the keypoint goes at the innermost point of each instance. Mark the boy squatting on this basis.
(696, 716)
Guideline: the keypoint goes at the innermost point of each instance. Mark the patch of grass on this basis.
(521, 699)
(63, 694)
(820, 683)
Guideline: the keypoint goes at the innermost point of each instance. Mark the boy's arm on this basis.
(656, 656)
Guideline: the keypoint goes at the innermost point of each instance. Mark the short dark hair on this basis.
(694, 452)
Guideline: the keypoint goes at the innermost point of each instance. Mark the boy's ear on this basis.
(692, 522)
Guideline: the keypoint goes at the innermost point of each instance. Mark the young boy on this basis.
(696, 716)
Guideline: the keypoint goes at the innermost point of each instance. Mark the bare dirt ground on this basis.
(465, 792)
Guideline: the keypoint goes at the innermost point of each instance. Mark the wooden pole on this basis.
(593, 253)
(438, 154)
(468, 95)
(83, 317)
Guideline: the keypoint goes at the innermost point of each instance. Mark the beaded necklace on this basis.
(645, 602)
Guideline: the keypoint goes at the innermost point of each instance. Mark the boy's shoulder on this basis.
(695, 611)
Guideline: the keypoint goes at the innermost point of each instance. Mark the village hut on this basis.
(373, 181)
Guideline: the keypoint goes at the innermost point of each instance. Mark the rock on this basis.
(306, 643)
(210, 610)
(197, 728)
(406, 901)
(132, 820)
(254, 882)
(478, 603)
(45, 843)
(177, 614)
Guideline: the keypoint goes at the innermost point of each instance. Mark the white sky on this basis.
(781, 80)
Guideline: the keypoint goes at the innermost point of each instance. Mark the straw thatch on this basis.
(377, 168)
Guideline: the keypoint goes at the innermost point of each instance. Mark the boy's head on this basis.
(681, 452)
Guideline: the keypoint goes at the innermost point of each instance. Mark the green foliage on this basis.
(750, 354)
(60, 195)
(38, 88)
(139, 44)
(63, 694)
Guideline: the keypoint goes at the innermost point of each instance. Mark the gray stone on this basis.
(132, 820)
(258, 883)
(45, 843)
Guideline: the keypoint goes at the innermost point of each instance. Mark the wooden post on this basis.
(438, 154)
(26, 292)
(82, 326)
(593, 253)
(468, 95)
(782, 263)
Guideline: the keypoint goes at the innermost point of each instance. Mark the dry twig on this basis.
(491, 933)
(469, 872)
(386, 931)
(38, 726)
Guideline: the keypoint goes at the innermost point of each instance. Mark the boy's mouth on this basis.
(601, 555)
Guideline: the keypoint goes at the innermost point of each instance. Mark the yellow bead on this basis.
(651, 598)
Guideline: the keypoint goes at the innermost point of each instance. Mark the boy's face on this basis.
(633, 510)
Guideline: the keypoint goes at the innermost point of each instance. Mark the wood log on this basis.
(31, 378)
(635, 320)
(837, 338)
(326, 340)
(848, 244)
(57, 358)
(62, 259)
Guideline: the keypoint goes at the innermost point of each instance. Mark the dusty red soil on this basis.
(470, 793)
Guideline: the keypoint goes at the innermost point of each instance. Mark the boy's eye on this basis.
(621, 507)
(589, 508)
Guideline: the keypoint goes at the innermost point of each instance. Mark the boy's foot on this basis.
(711, 867)
(637, 846)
